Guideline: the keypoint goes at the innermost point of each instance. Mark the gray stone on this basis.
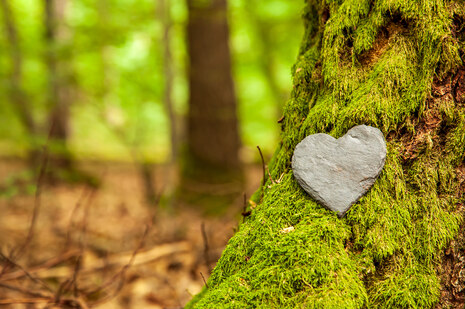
(338, 172)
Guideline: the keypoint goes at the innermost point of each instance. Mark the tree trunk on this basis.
(164, 13)
(212, 130)
(59, 95)
(398, 66)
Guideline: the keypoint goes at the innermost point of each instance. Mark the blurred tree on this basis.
(57, 58)
(17, 96)
(213, 141)
(164, 13)
(397, 65)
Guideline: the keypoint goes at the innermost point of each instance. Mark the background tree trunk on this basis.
(17, 95)
(212, 131)
(59, 84)
(396, 65)
(164, 13)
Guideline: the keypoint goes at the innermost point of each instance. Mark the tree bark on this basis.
(212, 131)
(398, 66)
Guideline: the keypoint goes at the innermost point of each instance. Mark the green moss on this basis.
(371, 62)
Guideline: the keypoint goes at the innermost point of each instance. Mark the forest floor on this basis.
(100, 247)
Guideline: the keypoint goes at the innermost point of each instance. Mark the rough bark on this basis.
(396, 65)
(212, 130)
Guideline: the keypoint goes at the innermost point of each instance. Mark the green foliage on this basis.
(115, 54)
(264, 40)
(385, 252)
(118, 63)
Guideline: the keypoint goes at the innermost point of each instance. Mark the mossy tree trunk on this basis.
(396, 65)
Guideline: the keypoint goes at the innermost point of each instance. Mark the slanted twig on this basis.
(16, 254)
(77, 206)
(26, 273)
(206, 248)
(72, 282)
(204, 281)
(264, 172)
(36, 209)
(22, 290)
(46, 265)
(34, 300)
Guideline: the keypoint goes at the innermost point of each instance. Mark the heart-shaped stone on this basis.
(338, 172)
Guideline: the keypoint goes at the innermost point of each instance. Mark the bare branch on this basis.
(26, 273)
(46, 265)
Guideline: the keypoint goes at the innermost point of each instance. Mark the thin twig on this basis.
(205, 246)
(77, 268)
(264, 173)
(21, 290)
(75, 209)
(24, 300)
(64, 286)
(116, 261)
(47, 264)
(16, 254)
(26, 273)
(38, 192)
(121, 274)
(269, 175)
(204, 281)
(35, 211)
(85, 217)
(72, 283)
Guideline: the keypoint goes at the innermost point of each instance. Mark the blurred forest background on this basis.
(111, 57)
(110, 114)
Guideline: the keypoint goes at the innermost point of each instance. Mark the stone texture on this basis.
(338, 172)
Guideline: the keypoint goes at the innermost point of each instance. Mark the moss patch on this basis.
(377, 63)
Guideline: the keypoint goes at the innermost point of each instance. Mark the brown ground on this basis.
(84, 240)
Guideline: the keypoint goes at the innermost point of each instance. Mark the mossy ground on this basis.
(391, 64)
